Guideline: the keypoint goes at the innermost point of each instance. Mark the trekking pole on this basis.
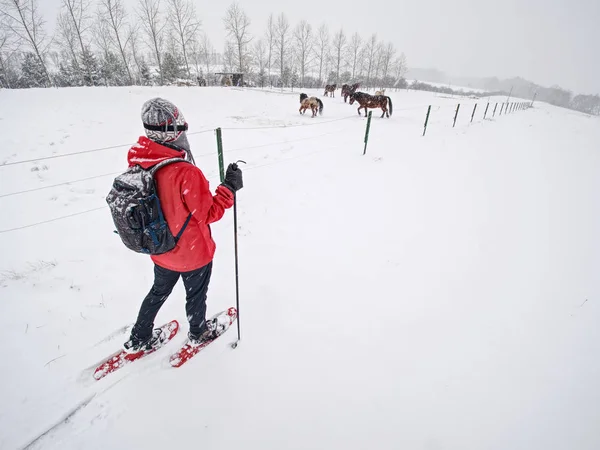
(237, 282)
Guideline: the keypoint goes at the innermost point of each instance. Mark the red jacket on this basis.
(182, 188)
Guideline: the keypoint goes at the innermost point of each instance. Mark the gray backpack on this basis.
(137, 214)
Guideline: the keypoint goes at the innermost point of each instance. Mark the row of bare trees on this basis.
(99, 42)
(303, 52)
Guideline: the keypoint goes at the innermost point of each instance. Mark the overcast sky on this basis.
(546, 41)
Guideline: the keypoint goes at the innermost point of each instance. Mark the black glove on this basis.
(233, 178)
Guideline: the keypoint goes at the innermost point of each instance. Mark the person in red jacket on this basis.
(182, 189)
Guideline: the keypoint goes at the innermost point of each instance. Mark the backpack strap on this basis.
(166, 162)
(185, 224)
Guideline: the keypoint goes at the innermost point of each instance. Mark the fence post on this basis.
(485, 112)
(501, 108)
(456, 115)
(220, 153)
(367, 131)
(426, 120)
(473, 113)
(495, 106)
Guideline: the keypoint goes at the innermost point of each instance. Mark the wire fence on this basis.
(505, 108)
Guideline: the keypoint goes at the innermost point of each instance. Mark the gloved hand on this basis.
(233, 178)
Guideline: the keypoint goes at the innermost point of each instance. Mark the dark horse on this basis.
(330, 88)
(372, 101)
(348, 90)
(314, 103)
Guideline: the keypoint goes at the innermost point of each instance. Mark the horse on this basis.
(372, 101)
(330, 88)
(381, 92)
(348, 90)
(314, 103)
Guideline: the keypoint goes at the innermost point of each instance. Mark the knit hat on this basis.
(164, 123)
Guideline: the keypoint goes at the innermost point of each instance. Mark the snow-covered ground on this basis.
(438, 293)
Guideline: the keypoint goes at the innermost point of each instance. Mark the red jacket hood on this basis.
(148, 153)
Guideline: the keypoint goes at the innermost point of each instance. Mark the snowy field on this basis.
(441, 292)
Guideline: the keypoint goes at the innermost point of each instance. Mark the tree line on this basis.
(100, 42)
(555, 95)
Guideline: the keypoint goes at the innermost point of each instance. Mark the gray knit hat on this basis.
(164, 122)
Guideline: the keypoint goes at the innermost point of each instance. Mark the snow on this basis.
(440, 292)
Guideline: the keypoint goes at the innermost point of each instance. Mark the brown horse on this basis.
(314, 103)
(348, 90)
(330, 88)
(372, 101)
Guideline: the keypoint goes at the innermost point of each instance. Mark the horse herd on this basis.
(379, 100)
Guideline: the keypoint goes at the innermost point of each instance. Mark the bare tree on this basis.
(185, 24)
(281, 42)
(354, 53)
(195, 56)
(370, 56)
(206, 49)
(322, 49)
(113, 13)
(237, 24)
(24, 21)
(65, 37)
(3, 51)
(339, 45)
(379, 60)
(228, 57)
(400, 68)
(101, 34)
(75, 16)
(7, 53)
(154, 26)
(270, 35)
(304, 47)
(136, 52)
(362, 58)
(261, 57)
(387, 56)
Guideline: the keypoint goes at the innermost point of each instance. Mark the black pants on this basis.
(196, 286)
